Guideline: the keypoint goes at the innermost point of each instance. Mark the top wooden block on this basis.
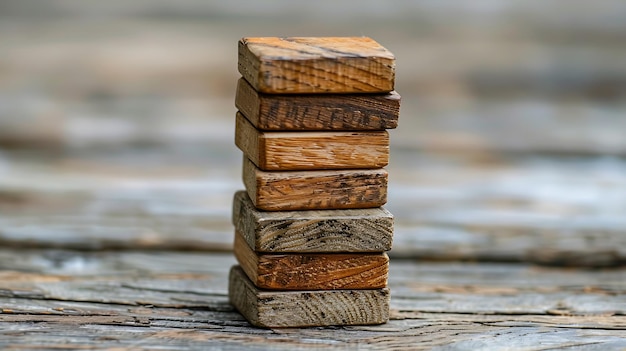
(316, 65)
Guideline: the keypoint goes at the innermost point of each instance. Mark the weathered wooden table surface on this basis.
(507, 176)
(129, 249)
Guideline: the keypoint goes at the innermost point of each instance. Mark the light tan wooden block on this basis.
(317, 111)
(353, 230)
(275, 309)
(312, 271)
(283, 151)
(315, 190)
(316, 65)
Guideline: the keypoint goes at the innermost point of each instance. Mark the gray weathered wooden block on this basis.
(273, 309)
(352, 230)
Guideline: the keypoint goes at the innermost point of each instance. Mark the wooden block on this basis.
(316, 65)
(355, 230)
(312, 271)
(318, 111)
(315, 190)
(275, 309)
(275, 151)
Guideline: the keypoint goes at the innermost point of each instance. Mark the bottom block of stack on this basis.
(268, 308)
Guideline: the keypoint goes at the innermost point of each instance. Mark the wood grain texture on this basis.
(312, 271)
(316, 65)
(283, 151)
(199, 279)
(270, 309)
(317, 111)
(459, 102)
(355, 230)
(315, 190)
(179, 300)
(547, 209)
(553, 193)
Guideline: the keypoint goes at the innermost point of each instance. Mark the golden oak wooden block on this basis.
(317, 111)
(316, 65)
(315, 190)
(353, 230)
(275, 309)
(283, 151)
(312, 271)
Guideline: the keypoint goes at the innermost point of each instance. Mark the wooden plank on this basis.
(178, 300)
(195, 280)
(306, 308)
(510, 208)
(316, 65)
(285, 151)
(554, 210)
(149, 328)
(317, 111)
(315, 190)
(356, 230)
(478, 100)
(312, 271)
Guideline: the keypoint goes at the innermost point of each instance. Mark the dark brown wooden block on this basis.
(354, 230)
(316, 65)
(312, 271)
(315, 190)
(282, 151)
(317, 111)
(274, 309)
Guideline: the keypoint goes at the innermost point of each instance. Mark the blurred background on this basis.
(117, 117)
(515, 75)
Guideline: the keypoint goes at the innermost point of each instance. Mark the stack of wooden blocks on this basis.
(310, 232)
